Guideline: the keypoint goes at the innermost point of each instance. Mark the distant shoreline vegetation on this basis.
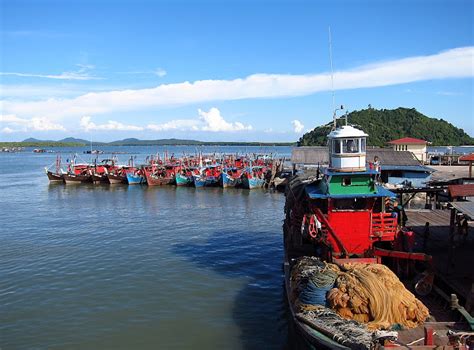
(70, 142)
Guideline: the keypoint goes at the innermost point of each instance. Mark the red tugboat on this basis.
(345, 252)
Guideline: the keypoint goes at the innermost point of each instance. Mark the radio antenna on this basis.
(332, 83)
(332, 78)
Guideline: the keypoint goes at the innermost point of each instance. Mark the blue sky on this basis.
(226, 70)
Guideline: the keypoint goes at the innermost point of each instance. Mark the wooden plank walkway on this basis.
(453, 262)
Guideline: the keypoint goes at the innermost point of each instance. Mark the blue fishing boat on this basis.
(253, 178)
(208, 176)
(230, 178)
(252, 183)
(183, 180)
(205, 181)
(135, 179)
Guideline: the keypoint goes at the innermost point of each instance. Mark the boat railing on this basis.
(384, 226)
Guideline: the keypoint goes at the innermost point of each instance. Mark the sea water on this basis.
(137, 267)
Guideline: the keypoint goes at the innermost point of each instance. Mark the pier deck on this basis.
(453, 262)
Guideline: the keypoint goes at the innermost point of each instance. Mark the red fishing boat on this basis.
(159, 176)
(77, 173)
(100, 170)
(346, 251)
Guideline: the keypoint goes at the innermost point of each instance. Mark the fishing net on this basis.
(312, 279)
(373, 294)
(349, 333)
(367, 293)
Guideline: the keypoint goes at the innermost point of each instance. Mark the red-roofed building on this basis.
(416, 146)
(408, 141)
(470, 159)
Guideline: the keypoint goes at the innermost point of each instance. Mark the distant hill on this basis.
(137, 142)
(384, 125)
(33, 140)
(75, 142)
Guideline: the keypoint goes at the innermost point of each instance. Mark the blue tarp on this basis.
(417, 168)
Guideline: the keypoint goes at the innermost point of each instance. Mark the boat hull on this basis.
(98, 179)
(152, 180)
(205, 181)
(228, 181)
(53, 177)
(252, 183)
(182, 180)
(135, 179)
(73, 179)
(116, 179)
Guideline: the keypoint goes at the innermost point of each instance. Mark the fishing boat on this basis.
(207, 176)
(158, 176)
(77, 178)
(57, 175)
(118, 176)
(341, 235)
(136, 178)
(99, 170)
(182, 179)
(253, 177)
(77, 173)
(54, 177)
(231, 177)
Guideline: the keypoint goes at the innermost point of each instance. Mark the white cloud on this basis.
(297, 126)
(215, 122)
(178, 124)
(455, 63)
(33, 124)
(88, 125)
(160, 72)
(7, 130)
(208, 121)
(83, 73)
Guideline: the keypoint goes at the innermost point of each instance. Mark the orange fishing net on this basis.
(373, 294)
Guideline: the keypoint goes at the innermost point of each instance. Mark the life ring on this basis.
(312, 228)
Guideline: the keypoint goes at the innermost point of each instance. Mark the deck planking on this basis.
(452, 261)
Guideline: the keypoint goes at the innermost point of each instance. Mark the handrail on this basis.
(382, 224)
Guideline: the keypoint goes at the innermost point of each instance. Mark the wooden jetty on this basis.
(451, 250)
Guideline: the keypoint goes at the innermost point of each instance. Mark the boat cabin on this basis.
(347, 204)
(347, 147)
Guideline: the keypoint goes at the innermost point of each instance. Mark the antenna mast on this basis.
(332, 79)
(332, 85)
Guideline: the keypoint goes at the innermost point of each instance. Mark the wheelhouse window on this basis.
(362, 145)
(346, 181)
(336, 146)
(350, 146)
(350, 204)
